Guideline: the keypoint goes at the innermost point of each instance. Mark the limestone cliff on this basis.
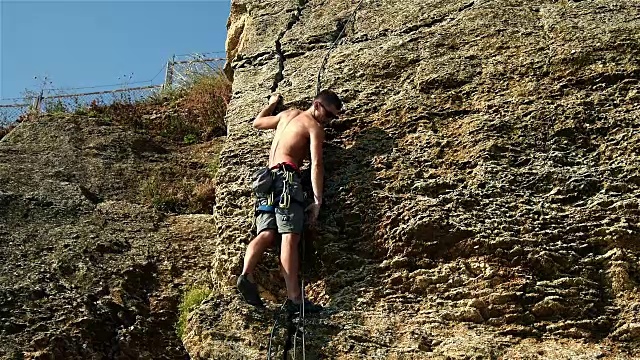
(87, 269)
(482, 188)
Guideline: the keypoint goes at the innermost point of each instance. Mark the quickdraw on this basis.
(285, 197)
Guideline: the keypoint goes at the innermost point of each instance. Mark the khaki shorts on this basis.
(290, 220)
(284, 219)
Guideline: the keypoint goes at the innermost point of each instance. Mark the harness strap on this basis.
(286, 164)
(266, 208)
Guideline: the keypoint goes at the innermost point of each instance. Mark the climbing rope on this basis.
(273, 329)
(326, 56)
(300, 324)
(301, 318)
(300, 328)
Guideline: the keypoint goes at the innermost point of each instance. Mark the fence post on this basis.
(37, 103)
(168, 77)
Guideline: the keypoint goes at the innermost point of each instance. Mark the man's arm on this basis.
(264, 120)
(316, 138)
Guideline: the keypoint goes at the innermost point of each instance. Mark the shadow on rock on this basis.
(342, 245)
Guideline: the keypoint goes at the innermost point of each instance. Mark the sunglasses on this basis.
(331, 115)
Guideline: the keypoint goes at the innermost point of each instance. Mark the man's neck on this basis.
(310, 112)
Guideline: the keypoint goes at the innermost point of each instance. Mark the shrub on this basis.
(55, 106)
(203, 197)
(213, 166)
(207, 97)
(186, 115)
(164, 96)
(163, 195)
(190, 139)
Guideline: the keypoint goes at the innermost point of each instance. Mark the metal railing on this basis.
(72, 102)
(13, 112)
(180, 69)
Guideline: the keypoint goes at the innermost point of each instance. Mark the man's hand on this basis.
(314, 210)
(274, 99)
(265, 119)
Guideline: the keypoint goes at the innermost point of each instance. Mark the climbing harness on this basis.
(263, 183)
(267, 199)
(326, 56)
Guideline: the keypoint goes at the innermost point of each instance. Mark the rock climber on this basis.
(280, 198)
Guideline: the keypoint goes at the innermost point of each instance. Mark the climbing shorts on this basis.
(287, 214)
(290, 220)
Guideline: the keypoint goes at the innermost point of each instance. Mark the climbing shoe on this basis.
(249, 291)
(309, 307)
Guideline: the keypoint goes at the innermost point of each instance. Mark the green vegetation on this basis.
(190, 300)
(190, 139)
(213, 166)
(56, 106)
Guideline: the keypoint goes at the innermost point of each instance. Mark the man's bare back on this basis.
(291, 141)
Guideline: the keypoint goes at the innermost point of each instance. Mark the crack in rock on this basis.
(294, 19)
(279, 76)
(259, 59)
(444, 19)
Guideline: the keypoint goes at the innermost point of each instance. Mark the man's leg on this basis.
(265, 225)
(255, 249)
(290, 264)
(289, 259)
(290, 224)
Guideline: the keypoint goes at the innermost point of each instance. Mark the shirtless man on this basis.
(296, 131)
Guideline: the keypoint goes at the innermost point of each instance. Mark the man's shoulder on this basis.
(300, 116)
(292, 112)
(305, 118)
(288, 114)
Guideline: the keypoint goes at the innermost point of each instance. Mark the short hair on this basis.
(329, 97)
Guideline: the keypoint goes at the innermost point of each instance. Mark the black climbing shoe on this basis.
(309, 307)
(249, 291)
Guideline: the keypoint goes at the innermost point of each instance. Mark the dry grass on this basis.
(190, 115)
(186, 184)
(207, 99)
(180, 196)
(204, 196)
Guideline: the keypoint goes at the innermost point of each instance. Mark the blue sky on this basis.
(92, 43)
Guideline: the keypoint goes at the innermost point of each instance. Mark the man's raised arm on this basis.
(264, 120)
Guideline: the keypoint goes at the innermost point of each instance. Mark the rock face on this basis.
(88, 271)
(482, 188)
